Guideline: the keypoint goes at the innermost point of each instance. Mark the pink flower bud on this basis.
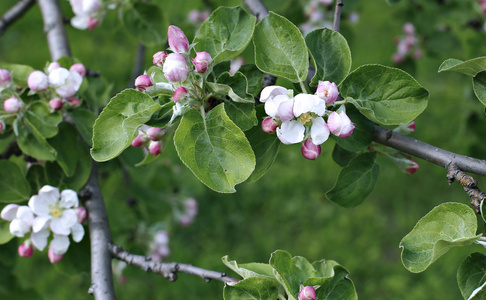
(4, 77)
(412, 167)
(154, 147)
(235, 65)
(269, 125)
(159, 58)
(177, 40)
(328, 91)
(80, 68)
(307, 293)
(81, 213)
(2, 127)
(406, 128)
(417, 54)
(142, 82)
(74, 102)
(193, 16)
(54, 258)
(52, 66)
(12, 105)
(397, 58)
(340, 125)
(155, 134)
(38, 81)
(408, 28)
(202, 61)
(483, 7)
(55, 104)
(92, 23)
(179, 94)
(310, 150)
(140, 140)
(176, 68)
(411, 126)
(26, 250)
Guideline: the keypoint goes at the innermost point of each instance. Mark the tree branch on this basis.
(337, 15)
(101, 272)
(167, 269)
(469, 184)
(17, 11)
(54, 29)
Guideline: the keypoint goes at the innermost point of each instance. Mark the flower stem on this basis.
(303, 87)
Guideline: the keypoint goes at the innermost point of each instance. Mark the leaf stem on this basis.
(303, 87)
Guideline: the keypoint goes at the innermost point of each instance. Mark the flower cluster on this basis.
(49, 211)
(87, 14)
(407, 44)
(159, 247)
(189, 212)
(151, 137)
(300, 118)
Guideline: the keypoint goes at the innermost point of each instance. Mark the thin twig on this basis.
(167, 269)
(54, 29)
(12, 149)
(137, 65)
(17, 11)
(469, 184)
(337, 15)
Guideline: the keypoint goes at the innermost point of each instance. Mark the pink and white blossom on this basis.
(21, 218)
(178, 42)
(202, 62)
(155, 147)
(25, 249)
(176, 68)
(159, 58)
(269, 125)
(327, 91)
(38, 81)
(310, 150)
(271, 92)
(4, 77)
(86, 13)
(142, 82)
(307, 293)
(180, 94)
(12, 105)
(340, 125)
(55, 104)
(80, 68)
(65, 82)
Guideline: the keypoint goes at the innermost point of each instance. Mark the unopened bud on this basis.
(52, 66)
(406, 128)
(269, 125)
(38, 81)
(26, 250)
(142, 82)
(408, 28)
(177, 40)
(179, 94)
(202, 61)
(54, 258)
(310, 150)
(80, 68)
(417, 54)
(140, 140)
(92, 23)
(155, 134)
(340, 125)
(2, 126)
(397, 58)
(12, 105)
(74, 102)
(159, 58)
(55, 104)
(413, 166)
(176, 68)
(4, 77)
(154, 147)
(307, 293)
(327, 91)
(81, 213)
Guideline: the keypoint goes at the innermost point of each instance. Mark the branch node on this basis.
(172, 277)
(469, 184)
(389, 135)
(207, 279)
(91, 289)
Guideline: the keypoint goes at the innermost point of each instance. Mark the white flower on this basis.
(65, 82)
(270, 92)
(340, 124)
(85, 12)
(280, 107)
(21, 218)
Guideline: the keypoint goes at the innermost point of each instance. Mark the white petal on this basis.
(48, 193)
(291, 132)
(319, 131)
(58, 78)
(271, 91)
(63, 224)
(39, 206)
(285, 110)
(9, 212)
(40, 223)
(77, 6)
(19, 228)
(80, 21)
(25, 214)
(78, 232)
(271, 105)
(39, 239)
(309, 103)
(69, 198)
(59, 244)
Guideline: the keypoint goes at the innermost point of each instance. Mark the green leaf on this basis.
(144, 21)
(32, 143)
(250, 269)
(447, 225)
(84, 121)
(19, 73)
(331, 55)
(40, 116)
(280, 49)
(339, 287)
(242, 114)
(13, 186)
(469, 67)
(214, 149)
(118, 123)
(341, 156)
(5, 235)
(254, 288)
(471, 277)
(479, 86)
(362, 135)
(226, 33)
(254, 77)
(63, 143)
(385, 95)
(265, 146)
(83, 168)
(356, 181)
(234, 87)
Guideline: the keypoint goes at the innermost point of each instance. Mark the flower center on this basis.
(56, 212)
(304, 118)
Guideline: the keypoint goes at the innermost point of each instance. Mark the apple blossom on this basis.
(155, 134)
(155, 147)
(74, 102)
(408, 28)
(142, 82)
(159, 58)
(327, 91)
(340, 125)
(307, 293)
(86, 13)
(180, 94)
(412, 167)
(271, 92)
(310, 150)
(80, 68)
(235, 65)
(405, 128)
(52, 66)
(269, 125)
(21, 218)
(160, 245)
(65, 82)
(38, 81)
(55, 104)
(202, 61)
(81, 213)
(176, 68)
(280, 106)
(54, 258)
(26, 249)
(12, 105)
(178, 42)
(190, 212)
(4, 77)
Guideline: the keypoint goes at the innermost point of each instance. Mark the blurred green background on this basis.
(286, 209)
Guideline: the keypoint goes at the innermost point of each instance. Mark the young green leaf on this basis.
(65, 144)
(280, 49)
(447, 225)
(242, 114)
(144, 22)
(384, 95)
(226, 33)
(40, 116)
(253, 288)
(471, 277)
(356, 181)
(331, 55)
(84, 120)
(13, 186)
(469, 67)
(5, 234)
(250, 269)
(32, 143)
(479, 86)
(339, 287)
(117, 125)
(235, 87)
(214, 149)
(342, 156)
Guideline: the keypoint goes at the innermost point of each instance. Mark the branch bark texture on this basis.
(17, 11)
(54, 29)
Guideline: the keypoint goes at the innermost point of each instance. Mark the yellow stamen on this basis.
(304, 118)
(56, 212)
